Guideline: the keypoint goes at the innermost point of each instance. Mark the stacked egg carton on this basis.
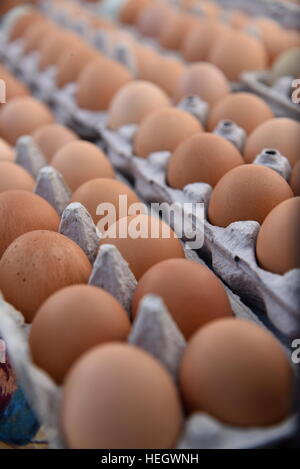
(154, 330)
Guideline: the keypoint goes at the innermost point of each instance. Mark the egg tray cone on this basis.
(231, 249)
(277, 97)
(154, 330)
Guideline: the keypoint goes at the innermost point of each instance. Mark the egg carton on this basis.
(285, 13)
(278, 96)
(154, 330)
(231, 250)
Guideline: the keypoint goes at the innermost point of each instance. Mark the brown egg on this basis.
(13, 176)
(131, 9)
(237, 52)
(7, 5)
(147, 61)
(295, 179)
(52, 137)
(72, 61)
(80, 161)
(163, 130)
(176, 29)
(282, 134)
(205, 80)
(191, 292)
(238, 19)
(133, 102)
(86, 312)
(104, 190)
(22, 116)
(35, 34)
(237, 372)
(282, 41)
(245, 109)
(53, 45)
(153, 18)
(119, 396)
(166, 74)
(277, 247)
(98, 83)
(143, 241)
(22, 211)
(269, 32)
(36, 265)
(13, 86)
(248, 192)
(6, 151)
(197, 44)
(203, 157)
(22, 23)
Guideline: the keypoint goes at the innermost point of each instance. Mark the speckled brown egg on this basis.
(203, 157)
(282, 133)
(197, 43)
(6, 151)
(104, 190)
(245, 109)
(191, 292)
(133, 102)
(237, 52)
(295, 179)
(205, 80)
(13, 176)
(237, 372)
(50, 138)
(21, 212)
(84, 311)
(147, 241)
(119, 396)
(22, 116)
(98, 83)
(277, 246)
(80, 161)
(36, 265)
(163, 130)
(248, 192)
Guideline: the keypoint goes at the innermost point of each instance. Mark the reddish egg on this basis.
(166, 74)
(131, 9)
(295, 179)
(13, 86)
(13, 176)
(72, 61)
(50, 138)
(6, 151)
(22, 23)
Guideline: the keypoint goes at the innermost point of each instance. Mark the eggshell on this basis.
(36, 265)
(238, 19)
(176, 29)
(248, 192)
(98, 83)
(204, 80)
(22, 211)
(277, 247)
(35, 34)
(118, 396)
(52, 137)
(143, 242)
(269, 32)
(22, 116)
(282, 41)
(237, 372)
(133, 102)
(87, 313)
(236, 52)
(287, 64)
(203, 157)
(22, 23)
(245, 109)
(13, 176)
(153, 18)
(197, 43)
(7, 5)
(163, 130)
(147, 61)
(53, 45)
(282, 134)
(13, 86)
(72, 61)
(295, 179)
(166, 74)
(191, 292)
(103, 190)
(131, 9)
(80, 161)
(6, 151)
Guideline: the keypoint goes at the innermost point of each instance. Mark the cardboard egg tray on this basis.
(153, 330)
(277, 96)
